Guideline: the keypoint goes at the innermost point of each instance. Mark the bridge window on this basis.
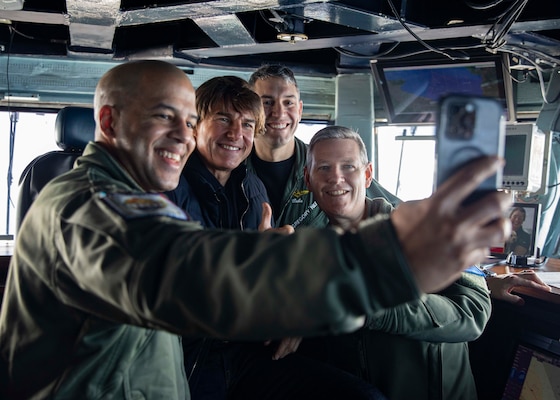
(405, 160)
(23, 136)
(404, 167)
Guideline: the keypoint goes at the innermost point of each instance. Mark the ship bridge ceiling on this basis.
(319, 39)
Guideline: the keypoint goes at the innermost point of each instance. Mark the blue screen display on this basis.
(411, 92)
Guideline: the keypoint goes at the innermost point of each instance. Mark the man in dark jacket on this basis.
(226, 195)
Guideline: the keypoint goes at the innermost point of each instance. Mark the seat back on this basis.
(74, 128)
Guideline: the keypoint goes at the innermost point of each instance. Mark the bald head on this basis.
(145, 116)
(128, 81)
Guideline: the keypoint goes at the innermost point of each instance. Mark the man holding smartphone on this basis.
(106, 272)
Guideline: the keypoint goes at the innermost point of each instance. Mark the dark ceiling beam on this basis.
(37, 17)
(394, 36)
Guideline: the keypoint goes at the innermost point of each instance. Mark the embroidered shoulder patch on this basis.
(141, 205)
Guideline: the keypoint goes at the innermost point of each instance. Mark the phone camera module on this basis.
(462, 122)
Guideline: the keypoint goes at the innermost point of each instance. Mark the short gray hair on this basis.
(337, 132)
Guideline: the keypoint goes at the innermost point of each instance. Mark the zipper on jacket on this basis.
(246, 208)
(221, 211)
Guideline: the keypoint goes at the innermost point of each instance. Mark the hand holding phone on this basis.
(468, 127)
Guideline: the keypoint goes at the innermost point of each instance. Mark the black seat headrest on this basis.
(74, 128)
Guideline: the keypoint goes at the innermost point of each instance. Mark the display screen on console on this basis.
(534, 375)
(515, 154)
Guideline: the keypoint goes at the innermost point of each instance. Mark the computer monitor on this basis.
(410, 89)
(525, 158)
(535, 370)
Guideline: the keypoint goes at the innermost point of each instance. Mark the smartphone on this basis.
(468, 127)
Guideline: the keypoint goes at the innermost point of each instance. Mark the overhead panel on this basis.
(225, 30)
(93, 22)
(52, 80)
(213, 8)
(59, 82)
(330, 12)
(11, 4)
(342, 15)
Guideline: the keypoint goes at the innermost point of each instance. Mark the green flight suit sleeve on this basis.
(162, 272)
(457, 314)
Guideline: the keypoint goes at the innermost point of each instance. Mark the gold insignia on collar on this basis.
(300, 193)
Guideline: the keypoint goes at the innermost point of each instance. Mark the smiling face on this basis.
(338, 179)
(224, 139)
(517, 218)
(147, 116)
(283, 109)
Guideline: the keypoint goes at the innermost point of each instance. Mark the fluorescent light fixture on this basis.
(21, 97)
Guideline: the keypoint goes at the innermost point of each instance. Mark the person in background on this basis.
(417, 350)
(278, 157)
(107, 273)
(520, 241)
(502, 285)
(225, 195)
